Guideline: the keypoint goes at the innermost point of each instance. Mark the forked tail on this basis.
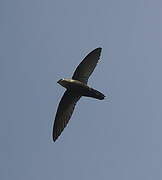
(95, 94)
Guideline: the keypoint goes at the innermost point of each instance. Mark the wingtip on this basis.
(99, 49)
(54, 137)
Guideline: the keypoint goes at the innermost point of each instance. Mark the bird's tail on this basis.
(95, 94)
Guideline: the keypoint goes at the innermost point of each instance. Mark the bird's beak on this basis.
(59, 81)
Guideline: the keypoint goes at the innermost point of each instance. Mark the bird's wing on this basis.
(64, 112)
(87, 66)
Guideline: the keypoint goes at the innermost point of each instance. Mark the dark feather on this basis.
(87, 66)
(64, 112)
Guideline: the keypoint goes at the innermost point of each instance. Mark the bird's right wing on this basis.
(64, 112)
(87, 66)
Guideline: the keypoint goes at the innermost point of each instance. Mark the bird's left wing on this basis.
(87, 66)
(64, 112)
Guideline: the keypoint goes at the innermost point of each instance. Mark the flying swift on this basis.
(75, 89)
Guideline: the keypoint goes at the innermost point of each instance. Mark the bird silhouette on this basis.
(75, 89)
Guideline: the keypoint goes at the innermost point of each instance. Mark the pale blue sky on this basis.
(43, 41)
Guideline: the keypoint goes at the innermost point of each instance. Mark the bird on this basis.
(76, 87)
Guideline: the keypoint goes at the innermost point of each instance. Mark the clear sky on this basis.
(118, 138)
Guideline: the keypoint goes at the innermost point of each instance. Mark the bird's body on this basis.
(80, 88)
(75, 89)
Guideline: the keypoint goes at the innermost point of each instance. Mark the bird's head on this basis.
(61, 82)
(64, 82)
